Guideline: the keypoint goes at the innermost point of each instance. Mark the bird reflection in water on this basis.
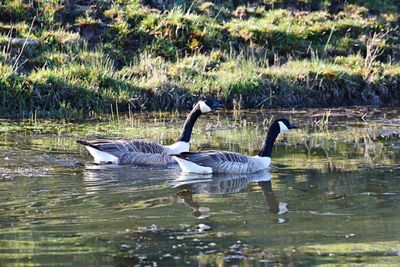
(189, 184)
(197, 211)
(274, 206)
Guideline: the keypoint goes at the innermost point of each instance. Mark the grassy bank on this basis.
(80, 58)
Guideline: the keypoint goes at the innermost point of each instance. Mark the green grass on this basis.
(267, 54)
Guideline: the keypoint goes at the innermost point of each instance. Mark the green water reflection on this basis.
(331, 197)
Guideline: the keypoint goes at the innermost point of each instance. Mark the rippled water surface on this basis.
(332, 195)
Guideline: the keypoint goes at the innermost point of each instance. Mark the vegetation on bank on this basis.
(71, 58)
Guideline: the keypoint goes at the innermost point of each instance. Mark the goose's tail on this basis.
(98, 155)
(191, 167)
(85, 143)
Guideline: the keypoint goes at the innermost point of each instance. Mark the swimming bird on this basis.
(140, 152)
(216, 161)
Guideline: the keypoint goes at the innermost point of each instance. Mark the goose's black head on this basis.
(203, 106)
(278, 126)
(208, 105)
(284, 125)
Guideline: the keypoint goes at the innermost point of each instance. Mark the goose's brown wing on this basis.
(131, 151)
(118, 147)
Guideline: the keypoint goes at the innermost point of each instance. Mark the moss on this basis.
(61, 37)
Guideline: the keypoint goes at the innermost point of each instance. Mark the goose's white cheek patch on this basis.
(283, 128)
(204, 107)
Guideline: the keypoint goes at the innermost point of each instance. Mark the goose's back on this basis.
(139, 158)
(132, 151)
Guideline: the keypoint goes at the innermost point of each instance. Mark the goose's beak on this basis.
(293, 126)
(217, 106)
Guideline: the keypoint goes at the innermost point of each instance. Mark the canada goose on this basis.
(140, 152)
(216, 161)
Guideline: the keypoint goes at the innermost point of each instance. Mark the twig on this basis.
(16, 66)
(327, 42)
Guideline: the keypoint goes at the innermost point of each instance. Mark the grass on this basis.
(268, 54)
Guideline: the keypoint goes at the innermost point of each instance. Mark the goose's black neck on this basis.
(188, 125)
(268, 144)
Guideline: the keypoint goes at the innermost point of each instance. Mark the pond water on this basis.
(332, 195)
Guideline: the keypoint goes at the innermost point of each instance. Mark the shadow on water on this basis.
(332, 196)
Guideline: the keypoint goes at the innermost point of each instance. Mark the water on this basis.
(331, 197)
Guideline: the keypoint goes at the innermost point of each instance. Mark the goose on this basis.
(140, 152)
(216, 161)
